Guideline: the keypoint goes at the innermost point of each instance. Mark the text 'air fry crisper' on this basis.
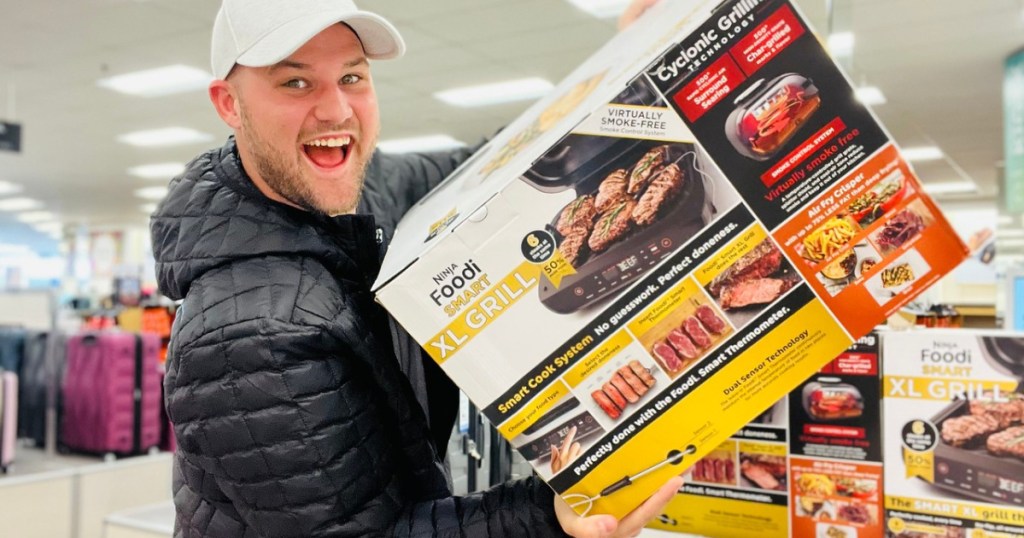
(695, 221)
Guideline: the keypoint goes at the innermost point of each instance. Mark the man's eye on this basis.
(296, 83)
(351, 79)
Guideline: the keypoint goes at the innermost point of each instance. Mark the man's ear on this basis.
(225, 100)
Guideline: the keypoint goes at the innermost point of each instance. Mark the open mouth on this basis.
(328, 152)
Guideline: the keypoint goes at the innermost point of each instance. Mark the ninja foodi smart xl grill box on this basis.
(954, 434)
(808, 466)
(612, 266)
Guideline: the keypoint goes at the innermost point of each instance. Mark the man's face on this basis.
(309, 123)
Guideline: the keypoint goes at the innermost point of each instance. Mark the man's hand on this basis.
(633, 11)
(605, 526)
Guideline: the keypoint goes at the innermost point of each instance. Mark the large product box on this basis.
(954, 436)
(809, 466)
(695, 221)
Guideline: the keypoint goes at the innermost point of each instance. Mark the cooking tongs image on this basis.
(675, 457)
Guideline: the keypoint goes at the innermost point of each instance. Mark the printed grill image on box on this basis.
(954, 434)
(644, 259)
(810, 465)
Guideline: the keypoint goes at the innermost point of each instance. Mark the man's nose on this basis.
(333, 105)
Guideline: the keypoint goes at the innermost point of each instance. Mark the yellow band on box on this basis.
(713, 516)
(957, 509)
(488, 307)
(539, 406)
(707, 427)
(945, 390)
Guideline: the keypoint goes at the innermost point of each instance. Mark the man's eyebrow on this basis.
(287, 64)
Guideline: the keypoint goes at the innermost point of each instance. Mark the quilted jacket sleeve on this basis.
(395, 182)
(285, 430)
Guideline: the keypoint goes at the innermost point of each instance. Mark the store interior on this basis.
(88, 146)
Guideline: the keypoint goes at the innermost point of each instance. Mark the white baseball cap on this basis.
(258, 33)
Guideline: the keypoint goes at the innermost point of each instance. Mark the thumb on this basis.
(599, 526)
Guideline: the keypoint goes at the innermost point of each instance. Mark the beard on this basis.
(288, 178)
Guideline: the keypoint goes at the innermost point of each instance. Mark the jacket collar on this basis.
(213, 214)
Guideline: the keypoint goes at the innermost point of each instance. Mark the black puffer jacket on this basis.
(292, 415)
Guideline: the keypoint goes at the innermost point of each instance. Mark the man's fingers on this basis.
(633, 11)
(653, 506)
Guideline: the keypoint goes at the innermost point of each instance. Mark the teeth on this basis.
(331, 142)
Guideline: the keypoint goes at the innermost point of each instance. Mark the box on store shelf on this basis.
(954, 436)
(810, 465)
(691, 224)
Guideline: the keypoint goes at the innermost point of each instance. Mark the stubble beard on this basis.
(285, 175)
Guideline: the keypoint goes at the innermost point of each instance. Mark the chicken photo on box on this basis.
(954, 432)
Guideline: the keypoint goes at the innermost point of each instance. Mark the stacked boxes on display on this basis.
(694, 222)
(954, 434)
(808, 466)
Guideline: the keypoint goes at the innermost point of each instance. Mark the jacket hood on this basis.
(213, 214)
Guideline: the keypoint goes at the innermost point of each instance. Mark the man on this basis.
(300, 407)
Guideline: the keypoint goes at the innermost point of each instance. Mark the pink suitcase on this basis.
(112, 393)
(8, 418)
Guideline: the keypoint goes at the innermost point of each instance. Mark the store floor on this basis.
(87, 497)
(30, 460)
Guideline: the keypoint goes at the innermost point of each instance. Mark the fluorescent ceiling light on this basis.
(151, 193)
(840, 44)
(168, 136)
(870, 95)
(952, 187)
(436, 142)
(500, 92)
(6, 187)
(148, 209)
(922, 153)
(19, 204)
(159, 81)
(1006, 219)
(1013, 232)
(157, 171)
(602, 9)
(35, 216)
(49, 227)
(10, 248)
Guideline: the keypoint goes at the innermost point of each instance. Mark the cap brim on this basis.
(380, 39)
